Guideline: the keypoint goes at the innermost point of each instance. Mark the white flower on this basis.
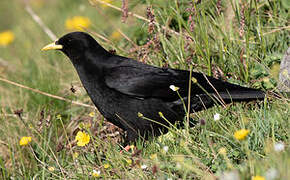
(178, 165)
(216, 117)
(96, 173)
(144, 166)
(174, 88)
(271, 174)
(278, 147)
(230, 175)
(165, 149)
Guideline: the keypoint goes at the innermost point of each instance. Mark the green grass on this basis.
(214, 44)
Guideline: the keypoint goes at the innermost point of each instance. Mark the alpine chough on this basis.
(131, 94)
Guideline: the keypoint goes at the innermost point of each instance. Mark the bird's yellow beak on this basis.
(52, 46)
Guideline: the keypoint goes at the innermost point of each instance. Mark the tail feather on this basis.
(246, 95)
(204, 101)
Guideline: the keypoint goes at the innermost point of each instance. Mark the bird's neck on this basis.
(88, 69)
(92, 79)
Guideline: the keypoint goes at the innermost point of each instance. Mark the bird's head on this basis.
(75, 45)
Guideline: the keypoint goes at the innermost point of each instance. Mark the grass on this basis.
(242, 43)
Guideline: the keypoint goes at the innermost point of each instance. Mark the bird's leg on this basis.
(127, 148)
(130, 137)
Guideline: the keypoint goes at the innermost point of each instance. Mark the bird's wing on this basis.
(147, 81)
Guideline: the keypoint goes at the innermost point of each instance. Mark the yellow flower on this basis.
(116, 35)
(77, 23)
(75, 155)
(24, 141)
(153, 156)
(241, 134)
(92, 114)
(51, 169)
(6, 37)
(258, 178)
(129, 161)
(223, 151)
(82, 138)
(106, 166)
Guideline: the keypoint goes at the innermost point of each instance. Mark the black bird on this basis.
(122, 88)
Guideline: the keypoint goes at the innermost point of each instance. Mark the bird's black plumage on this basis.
(121, 87)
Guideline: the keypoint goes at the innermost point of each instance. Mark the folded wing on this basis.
(153, 82)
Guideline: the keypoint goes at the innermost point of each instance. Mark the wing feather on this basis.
(153, 82)
(145, 83)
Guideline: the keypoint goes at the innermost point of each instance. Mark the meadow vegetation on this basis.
(242, 42)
